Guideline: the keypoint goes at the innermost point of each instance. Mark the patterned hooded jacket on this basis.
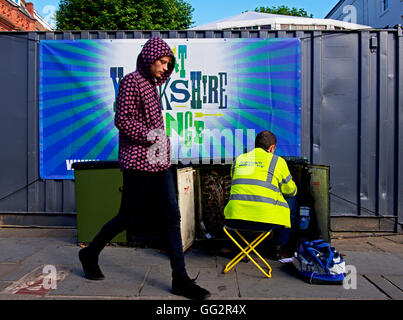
(143, 144)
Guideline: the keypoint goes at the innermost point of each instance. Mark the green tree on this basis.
(285, 10)
(124, 15)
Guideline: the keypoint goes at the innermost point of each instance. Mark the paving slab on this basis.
(64, 236)
(196, 258)
(145, 273)
(38, 282)
(18, 249)
(83, 297)
(115, 256)
(387, 245)
(118, 282)
(22, 232)
(4, 296)
(354, 244)
(149, 257)
(4, 284)
(384, 285)
(285, 284)
(7, 268)
(396, 281)
(55, 254)
(158, 282)
(398, 238)
(67, 234)
(375, 263)
(19, 271)
(214, 280)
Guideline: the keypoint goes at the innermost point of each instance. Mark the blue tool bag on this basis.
(318, 262)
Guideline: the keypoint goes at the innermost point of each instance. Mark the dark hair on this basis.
(265, 139)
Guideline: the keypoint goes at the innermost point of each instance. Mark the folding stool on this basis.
(263, 234)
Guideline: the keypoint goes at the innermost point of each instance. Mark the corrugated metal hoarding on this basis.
(352, 112)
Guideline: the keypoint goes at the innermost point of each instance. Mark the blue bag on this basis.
(318, 262)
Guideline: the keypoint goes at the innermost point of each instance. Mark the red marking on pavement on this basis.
(33, 282)
(35, 288)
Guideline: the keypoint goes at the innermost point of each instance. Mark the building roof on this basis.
(255, 19)
(30, 13)
(338, 4)
(43, 22)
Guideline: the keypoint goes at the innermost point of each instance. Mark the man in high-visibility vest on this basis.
(263, 192)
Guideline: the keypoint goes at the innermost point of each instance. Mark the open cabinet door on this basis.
(320, 187)
(186, 204)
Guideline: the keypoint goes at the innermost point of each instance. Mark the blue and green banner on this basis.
(220, 95)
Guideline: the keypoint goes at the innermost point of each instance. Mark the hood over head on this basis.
(154, 49)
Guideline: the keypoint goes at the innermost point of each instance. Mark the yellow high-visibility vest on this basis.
(260, 181)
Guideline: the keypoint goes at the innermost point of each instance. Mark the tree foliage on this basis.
(285, 10)
(124, 15)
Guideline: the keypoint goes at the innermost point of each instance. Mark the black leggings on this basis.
(138, 186)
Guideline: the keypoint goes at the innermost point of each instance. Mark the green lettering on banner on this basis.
(171, 123)
(182, 54)
(188, 125)
(183, 124)
(199, 127)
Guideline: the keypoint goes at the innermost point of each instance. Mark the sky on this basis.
(207, 11)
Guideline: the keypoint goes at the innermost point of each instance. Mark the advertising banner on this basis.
(220, 95)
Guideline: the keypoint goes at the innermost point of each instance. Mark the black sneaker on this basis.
(184, 286)
(90, 265)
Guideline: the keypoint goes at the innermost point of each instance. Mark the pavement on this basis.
(42, 264)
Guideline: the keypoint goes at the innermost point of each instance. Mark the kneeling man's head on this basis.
(266, 140)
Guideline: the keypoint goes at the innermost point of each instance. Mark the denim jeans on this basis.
(282, 234)
(138, 186)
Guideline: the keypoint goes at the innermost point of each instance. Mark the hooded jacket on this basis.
(143, 144)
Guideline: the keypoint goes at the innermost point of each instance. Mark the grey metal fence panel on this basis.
(338, 113)
(399, 174)
(13, 122)
(34, 200)
(351, 116)
(368, 115)
(384, 161)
